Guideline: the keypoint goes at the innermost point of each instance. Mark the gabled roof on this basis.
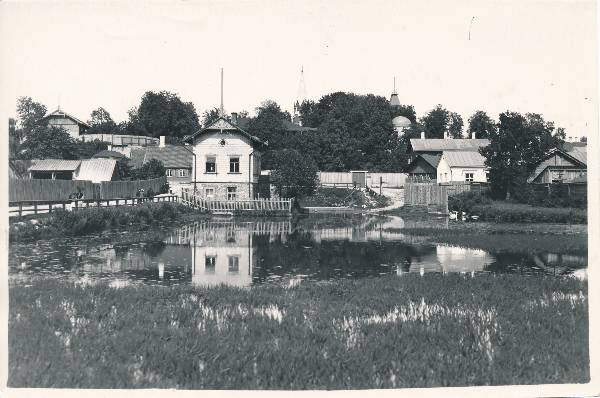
(576, 155)
(60, 113)
(222, 124)
(171, 156)
(55, 165)
(464, 159)
(96, 170)
(433, 160)
(447, 144)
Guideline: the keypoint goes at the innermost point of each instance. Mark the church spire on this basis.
(300, 98)
(394, 100)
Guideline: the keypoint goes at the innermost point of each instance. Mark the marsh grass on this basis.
(410, 331)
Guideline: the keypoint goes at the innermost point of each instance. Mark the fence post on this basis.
(34, 207)
(20, 209)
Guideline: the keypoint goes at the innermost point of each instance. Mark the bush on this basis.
(465, 201)
(507, 212)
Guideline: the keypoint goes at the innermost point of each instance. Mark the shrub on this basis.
(465, 201)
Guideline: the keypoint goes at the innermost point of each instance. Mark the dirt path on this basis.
(397, 197)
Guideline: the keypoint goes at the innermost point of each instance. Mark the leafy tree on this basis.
(481, 124)
(268, 125)
(293, 175)
(48, 142)
(408, 111)
(516, 148)
(455, 125)
(435, 123)
(210, 116)
(149, 170)
(163, 113)
(101, 122)
(29, 114)
(85, 150)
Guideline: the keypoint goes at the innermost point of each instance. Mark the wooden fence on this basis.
(24, 208)
(426, 194)
(48, 190)
(344, 179)
(57, 190)
(455, 188)
(227, 206)
(129, 189)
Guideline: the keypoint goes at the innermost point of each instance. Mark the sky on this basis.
(524, 56)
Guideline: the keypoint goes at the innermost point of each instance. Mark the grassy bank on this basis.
(436, 330)
(85, 221)
(342, 197)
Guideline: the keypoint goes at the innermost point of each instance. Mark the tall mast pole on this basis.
(222, 112)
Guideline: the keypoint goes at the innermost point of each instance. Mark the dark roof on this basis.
(447, 144)
(433, 160)
(109, 154)
(222, 124)
(171, 156)
(63, 114)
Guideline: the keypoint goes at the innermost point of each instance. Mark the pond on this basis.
(278, 250)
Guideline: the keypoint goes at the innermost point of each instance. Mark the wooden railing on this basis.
(247, 205)
(42, 206)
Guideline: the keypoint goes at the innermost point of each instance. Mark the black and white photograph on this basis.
(332, 197)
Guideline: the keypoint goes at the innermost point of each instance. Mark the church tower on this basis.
(394, 100)
(300, 98)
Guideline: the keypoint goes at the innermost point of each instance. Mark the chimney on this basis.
(473, 135)
(162, 141)
(422, 135)
(234, 117)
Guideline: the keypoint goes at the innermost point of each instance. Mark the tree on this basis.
(149, 170)
(481, 124)
(85, 150)
(163, 113)
(30, 114)
(435, 123)
(48, 142)
(455, 125)
(516, 148)
(209, 116)
(408, 111)
(101, 122)
(292, 174)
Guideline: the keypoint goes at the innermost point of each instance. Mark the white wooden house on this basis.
(71, 124)
(461, 166)
(227, 161)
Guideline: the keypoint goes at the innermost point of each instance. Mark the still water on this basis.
(245, 253)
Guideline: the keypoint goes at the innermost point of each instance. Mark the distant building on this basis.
(462, 166)
(563, 165)
(228, 161)
(95, 170)
(71, 124)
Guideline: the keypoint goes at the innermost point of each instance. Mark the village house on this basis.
(562, 165)
(94, 170)
(227, 161)
(177, 160)
(447, 159)
(71, 124)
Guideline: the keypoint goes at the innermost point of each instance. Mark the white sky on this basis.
(526, 56)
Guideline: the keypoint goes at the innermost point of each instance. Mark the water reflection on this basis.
(213, 252)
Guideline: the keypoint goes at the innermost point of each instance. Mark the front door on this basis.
(359, 179)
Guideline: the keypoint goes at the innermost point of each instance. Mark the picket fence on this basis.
(344, 179)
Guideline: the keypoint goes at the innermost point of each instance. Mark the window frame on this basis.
(210, 266)
(232, 193)
(472, 174)
(234, 165)
(214, 164)
(169, 172)
(233, 267)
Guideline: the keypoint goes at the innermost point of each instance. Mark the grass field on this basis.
(409, 331)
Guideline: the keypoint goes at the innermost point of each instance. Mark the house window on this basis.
(234, 264)
(209, 264)
(169, 172)
(445, 176)
(231, 193)
(469, 177)
(211, 164)
(182, 173)
(231, 236)
(487, 176)
(234, 165)
(209, 193)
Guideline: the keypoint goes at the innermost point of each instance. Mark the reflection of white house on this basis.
(222, 254)
(452, 259)
(227, 161)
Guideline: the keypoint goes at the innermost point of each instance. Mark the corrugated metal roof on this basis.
(464, 159)
(447, 144)
(171, 156)
(55, 165)
(96, 170)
